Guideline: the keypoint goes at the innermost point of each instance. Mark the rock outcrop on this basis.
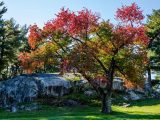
(26, 88)
(134, 94)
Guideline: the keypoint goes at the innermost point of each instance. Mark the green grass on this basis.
(142, 110)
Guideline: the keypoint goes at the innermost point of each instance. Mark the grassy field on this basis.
(142, 110)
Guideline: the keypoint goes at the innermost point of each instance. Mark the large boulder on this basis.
(134, 95)
(52, 85)
(17, 90)
(157, 88)
(26, 88)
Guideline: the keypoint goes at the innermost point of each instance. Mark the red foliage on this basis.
(129, 34)
(83, 23)
(130, 14)
(23, 57)
(34, 36)
(49, 28)
(72, 23)
(25, 60)
(29, 63)
(133, 31)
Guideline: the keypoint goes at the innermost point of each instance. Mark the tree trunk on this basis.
(106, 104)
(1, 56)
(2, 51)
(106, 96)
(148, 85)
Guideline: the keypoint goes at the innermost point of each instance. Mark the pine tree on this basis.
(153, 25)
(12, 36)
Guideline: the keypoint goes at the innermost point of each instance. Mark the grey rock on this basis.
(53, 86)
(31, 107)
(134, 96)
(126, 98)
(81, 82)
(26, 88)
(126, 105)
(14, 109)
(18, 89)
(90, 93)
(155, 95)
(139, 90)
(70, 103)
(157, 88)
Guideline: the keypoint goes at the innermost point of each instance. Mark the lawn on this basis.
(142, 110)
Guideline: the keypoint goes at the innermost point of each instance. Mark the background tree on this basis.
(39, 60)
(2, 11)
(98, 50)
(153, 25)
(11, 37)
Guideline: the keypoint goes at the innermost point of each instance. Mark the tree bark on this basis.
(148, 85)
(1, 56)
(106, 95)
(106, 104)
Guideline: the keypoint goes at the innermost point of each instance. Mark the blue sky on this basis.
(40, 11)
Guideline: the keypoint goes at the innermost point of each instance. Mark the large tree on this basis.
(11, 38)
(2, 11)
(98, 50)
(153, 31)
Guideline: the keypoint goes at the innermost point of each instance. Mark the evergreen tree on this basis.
(12, 37)
(153, 25)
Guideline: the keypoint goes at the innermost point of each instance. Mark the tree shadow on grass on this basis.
(132, 115)
(79, 116)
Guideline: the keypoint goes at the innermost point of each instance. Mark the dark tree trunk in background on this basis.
(148, 85)
(2, 51)
(1, 57)
(62, 71)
